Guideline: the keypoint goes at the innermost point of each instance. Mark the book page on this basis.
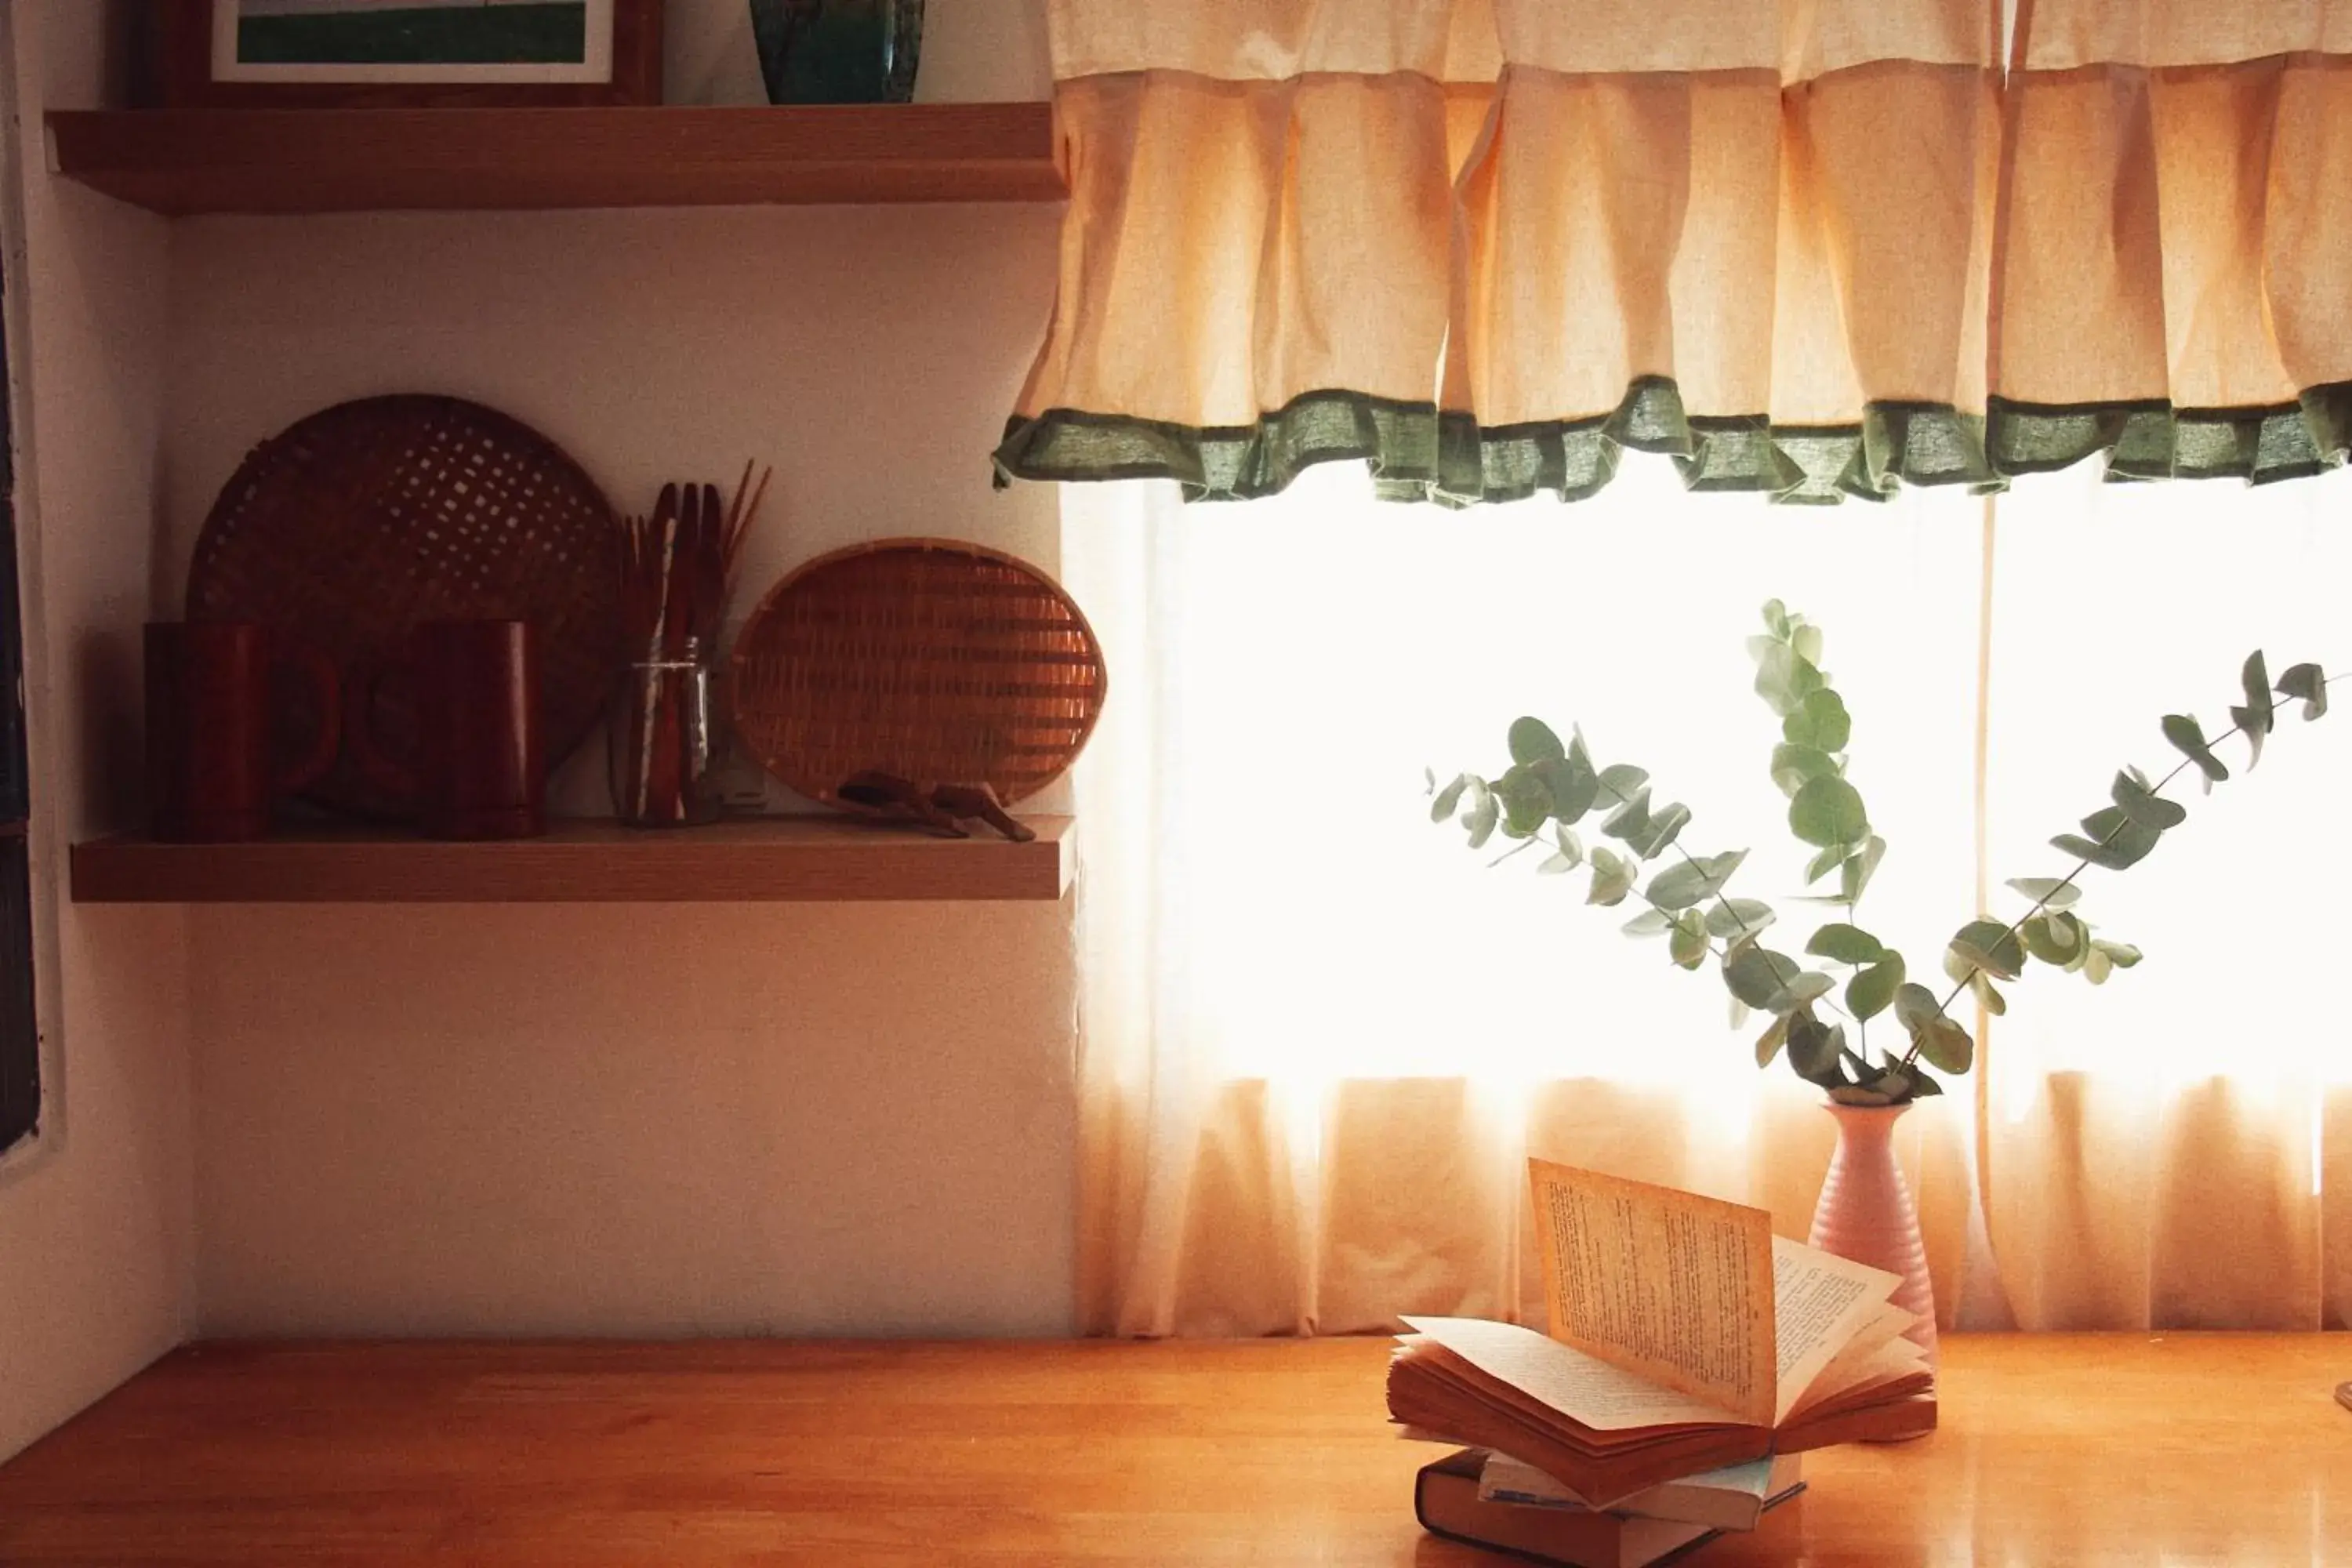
(1889, 1324)
(1870, 1378)
(1576, 1385)
(1666, 1283)
(1822, 1302)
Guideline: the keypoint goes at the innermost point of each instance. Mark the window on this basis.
(1321, 1036)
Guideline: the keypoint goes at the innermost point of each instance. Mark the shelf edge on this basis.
(798, 865)
(188, 162)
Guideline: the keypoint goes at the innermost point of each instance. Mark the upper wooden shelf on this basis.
(183, 162)
(752, 860)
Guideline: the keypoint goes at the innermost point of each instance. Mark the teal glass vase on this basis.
(838, 51)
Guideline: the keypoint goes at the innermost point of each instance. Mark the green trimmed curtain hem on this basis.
(2154, 440)
(1417, 451)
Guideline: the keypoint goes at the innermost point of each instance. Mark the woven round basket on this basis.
(364, 519)
(936, 660)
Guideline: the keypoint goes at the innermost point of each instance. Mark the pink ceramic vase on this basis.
(1865, 1210)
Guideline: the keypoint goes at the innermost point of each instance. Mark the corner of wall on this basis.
(97, 1217)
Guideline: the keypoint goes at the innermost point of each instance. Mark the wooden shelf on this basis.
(767, 859)
(181, 161)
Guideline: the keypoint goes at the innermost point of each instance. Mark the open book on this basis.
(1684, 1335)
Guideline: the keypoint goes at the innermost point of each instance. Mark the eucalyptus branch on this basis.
(1721, 901)
(1550, 782)
(2084, 863)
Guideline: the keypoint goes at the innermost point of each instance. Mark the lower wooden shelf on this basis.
(749, 860)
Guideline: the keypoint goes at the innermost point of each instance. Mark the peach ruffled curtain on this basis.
(1811, 250)
(2174, 285)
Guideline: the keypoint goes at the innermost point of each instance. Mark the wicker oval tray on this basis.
(941, 661)
(361, 520)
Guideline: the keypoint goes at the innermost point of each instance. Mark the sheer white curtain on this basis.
(2175, 1148)
(1321, 1037)
(1320, 1034)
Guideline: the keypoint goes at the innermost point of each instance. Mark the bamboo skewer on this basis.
(675, 570)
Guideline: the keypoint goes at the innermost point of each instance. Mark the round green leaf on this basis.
(1811, 985)
(1858, 871)
(1484, 816)
(1659, 831)
(1813, 1050)
(1994, 1002)
(1527, 803)
(1872, 990)
(2189, 737)
(1828, 811)
(1681, 885)
(2259, 710)
(1946, 1046)
(1990, 946)
(1845, 943)
(2045, 940)
(2144, 807)
(1442, 807)
(1821, 722)
(2308, 683)
(1915, 1005)
(1794, 766)
(1619, 780)
(1827, 861)
(1756, 974)
(1532, 740)
(1613, 878)
(1810, 1052)
(2114, 840)
(1785, 680)
(1574, 786)
(1738, 918)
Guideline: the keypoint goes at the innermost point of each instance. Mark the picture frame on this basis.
(306, 54)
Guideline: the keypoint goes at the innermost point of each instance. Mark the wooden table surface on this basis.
(2141, 1449)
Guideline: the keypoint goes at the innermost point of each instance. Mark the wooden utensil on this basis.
(674, 580)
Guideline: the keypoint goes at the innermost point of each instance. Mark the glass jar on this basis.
(662, 750)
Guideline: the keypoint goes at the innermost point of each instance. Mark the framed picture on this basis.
(408, 53)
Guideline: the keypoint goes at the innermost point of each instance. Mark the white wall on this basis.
(95, 1217)
(659, 1120)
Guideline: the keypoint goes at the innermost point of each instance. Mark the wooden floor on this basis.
(2103, 1449)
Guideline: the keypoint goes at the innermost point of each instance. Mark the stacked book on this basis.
(1490, 1499)
(1689, 1346)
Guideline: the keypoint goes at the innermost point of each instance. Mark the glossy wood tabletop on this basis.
(2141, 1449)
